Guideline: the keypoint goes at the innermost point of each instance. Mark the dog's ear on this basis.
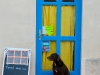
(58, 58)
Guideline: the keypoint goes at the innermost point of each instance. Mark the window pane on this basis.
(10, 53)
(67, 20)
(17, 60)
(10, 60)
(68, 0)
(46, 64)
(49, 0)
(49, 20)
(25, 53)
(17, 53)
(67, 53)
(24, 61)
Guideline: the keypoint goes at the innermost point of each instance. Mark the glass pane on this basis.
(10, 53)
(10, 60)
(68, 20)
(17, 53)
(49, 0)
(67, 0)
(49, 20)
(46, 64)
(67, 53)
(24, 61)
(25, 53)
(17, 60)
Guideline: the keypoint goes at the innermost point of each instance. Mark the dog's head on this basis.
(53, 57)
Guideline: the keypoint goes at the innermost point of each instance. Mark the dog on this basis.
(58, 67)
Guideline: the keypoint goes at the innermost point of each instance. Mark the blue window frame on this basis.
(58, 37)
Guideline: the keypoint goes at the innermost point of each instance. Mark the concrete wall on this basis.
(90, 33)
(17, 27)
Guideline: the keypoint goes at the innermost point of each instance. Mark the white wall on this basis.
(18, 22)
(17, 26)
(90, 31)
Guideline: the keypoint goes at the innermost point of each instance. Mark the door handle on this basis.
(40, 33)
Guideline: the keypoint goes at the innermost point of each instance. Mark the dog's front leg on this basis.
(54, 73)
(62, 74)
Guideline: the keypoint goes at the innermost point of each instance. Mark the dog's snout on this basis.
(47, 57)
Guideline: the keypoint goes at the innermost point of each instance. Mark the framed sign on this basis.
(16, 61)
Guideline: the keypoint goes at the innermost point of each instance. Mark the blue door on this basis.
(58, 30)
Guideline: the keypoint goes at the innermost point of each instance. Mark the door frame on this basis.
(76, 38)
